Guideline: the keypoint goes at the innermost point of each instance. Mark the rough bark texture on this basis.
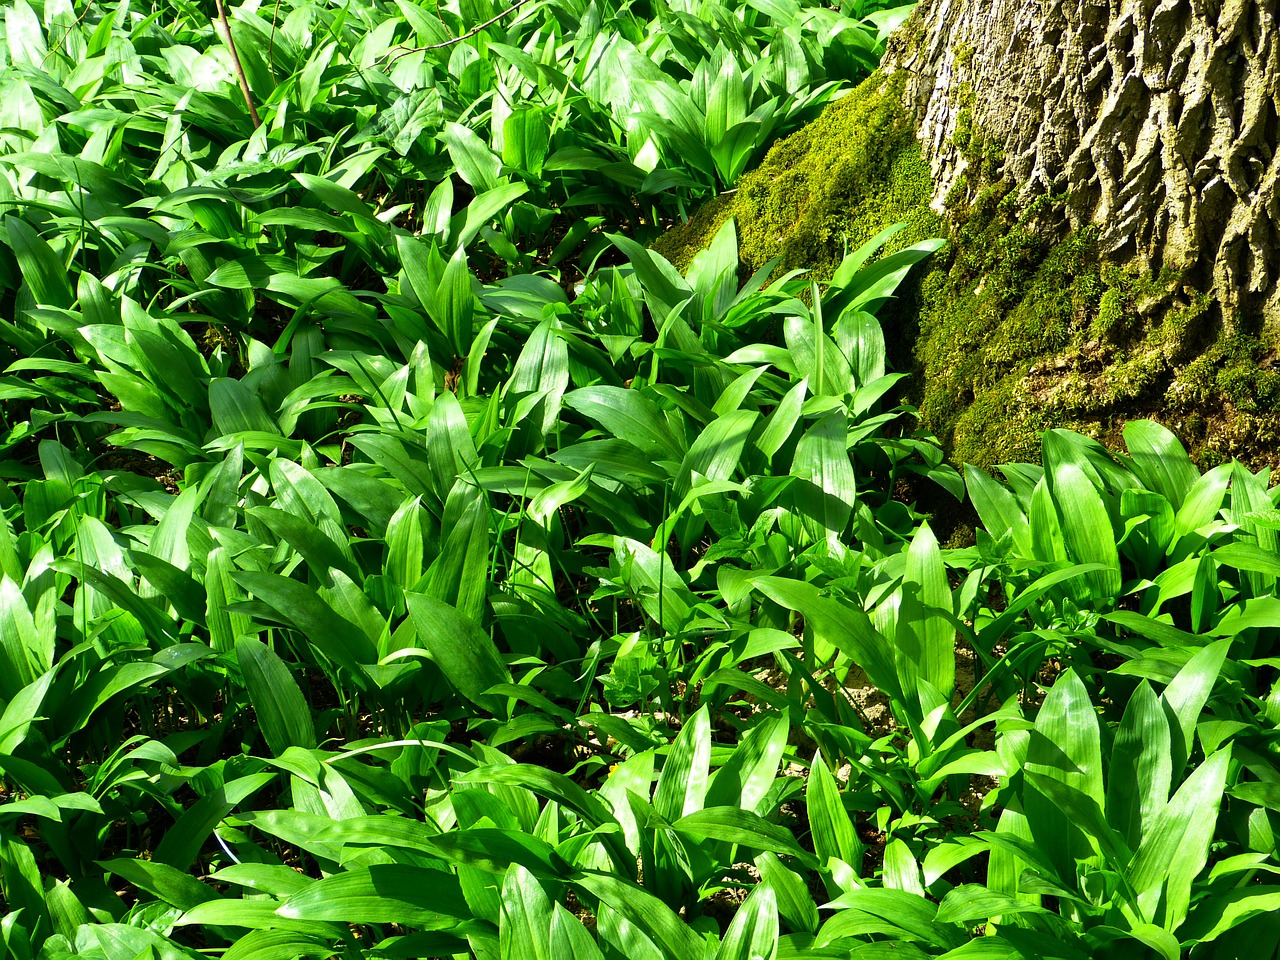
(1157, 119)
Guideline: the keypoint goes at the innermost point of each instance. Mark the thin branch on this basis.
(235, 60)
(466, 36)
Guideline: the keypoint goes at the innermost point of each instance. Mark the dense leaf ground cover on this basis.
(398, 559)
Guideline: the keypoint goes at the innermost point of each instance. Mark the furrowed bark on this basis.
(1156, 118)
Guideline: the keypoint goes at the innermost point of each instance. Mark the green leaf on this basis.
(525, 140)
(905, 915)
(21, 711)
(45, 274)
(844, 626)
(524, 932)
(748, 829)
(782, 422)
(460, 574)
(451, 450)
(1141, 768)
(1187, 694)
(277, 701)
(830, 824)
(998, 509)
(336, 637)
(465, 654)
(171, 885)
(753, 933)
(745, 778)
(970, 901)
(181, 844)
(483, 209)
(23, 651)
(1176, 848)
(925, 636)
(319, 550)
(236, 409)
(569, 938)
(1085, 814)
(795, 903)
(646, 911)
(456, 299)
(628, 415)
(383, 893)
(1160, 460)
(1065, 746)
(1203, 501)
(822, 459)
(1220, 913)
(1086, 527)
(682, 785)
(479, 166)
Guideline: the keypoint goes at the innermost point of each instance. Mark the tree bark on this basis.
(1156, 118)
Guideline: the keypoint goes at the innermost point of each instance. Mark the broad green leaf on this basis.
(745, 778)
(181, 843)
(830, 824)
(682, 785)
(383, 893)
(643, 909)
(1141, 767)
(451, 450)
(717, 452)
(732, 825)
(926, 637)
(782, 422)
(525, 930)
(821, 459)
(844, 626)
(172, 886)
(906, 916)
(1086, 527)
(1065, 746)
(236, 409)
(476, 163)
(277, 701)
(1160, 460)
(459, 576)
(465, 654)
(795, 903)
(970, 901)
(629, 415)
(1187, 694)
(297, 604)
(45, 274)
(24, 655)
(753, 933)
(1176, 848)
(1203, 501)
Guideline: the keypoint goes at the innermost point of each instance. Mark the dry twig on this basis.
(466, 36)
(235, 60)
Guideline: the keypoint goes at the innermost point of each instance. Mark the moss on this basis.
(826, 189)
(837, 183)
(1011, 297)
(685, 241)
(1022, 325)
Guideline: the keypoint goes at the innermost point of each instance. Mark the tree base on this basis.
(1022, 324)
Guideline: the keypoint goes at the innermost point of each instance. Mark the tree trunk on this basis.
(1156, 118)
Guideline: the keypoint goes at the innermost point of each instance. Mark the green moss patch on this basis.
(1021, 325)
(827, 188)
